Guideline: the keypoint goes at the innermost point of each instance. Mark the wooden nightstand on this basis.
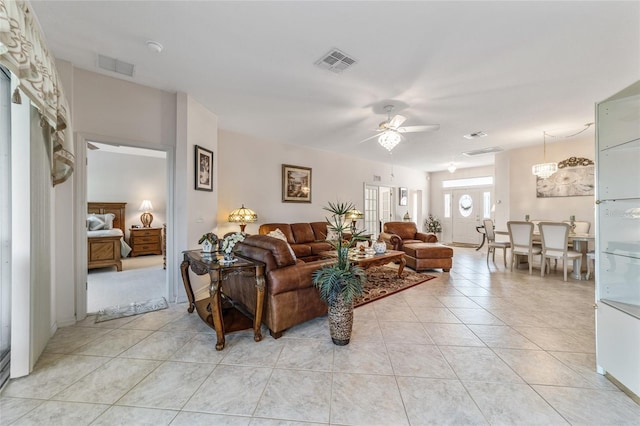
(145, 241)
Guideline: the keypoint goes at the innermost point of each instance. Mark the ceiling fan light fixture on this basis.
(389, 139)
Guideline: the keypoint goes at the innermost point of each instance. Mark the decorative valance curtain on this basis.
(24, 52)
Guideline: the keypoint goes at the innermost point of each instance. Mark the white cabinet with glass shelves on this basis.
(618, 237)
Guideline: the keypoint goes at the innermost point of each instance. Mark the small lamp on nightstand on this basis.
(354, 215)
(146, 217)
(243, 216)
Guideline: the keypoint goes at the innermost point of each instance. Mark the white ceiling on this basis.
(510, 69)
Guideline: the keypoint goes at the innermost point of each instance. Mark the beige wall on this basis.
(519, 190)
(121, 110)
(250, 172)
(115, 177)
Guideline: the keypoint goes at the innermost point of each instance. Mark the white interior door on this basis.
(371, 210)
(385, 205)
(467, 214)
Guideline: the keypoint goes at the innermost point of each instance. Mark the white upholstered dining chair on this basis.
(555, 239)
(492, 244)
(521, 237)
(581, 226)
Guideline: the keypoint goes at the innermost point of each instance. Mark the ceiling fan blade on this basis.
(425, 128)
(396, 121)
(370, 137)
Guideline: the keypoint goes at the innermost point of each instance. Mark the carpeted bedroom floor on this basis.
(142, 278)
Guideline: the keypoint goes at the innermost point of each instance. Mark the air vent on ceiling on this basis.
(476, 135)
(489, 150)
(115, 65)
(335, 61)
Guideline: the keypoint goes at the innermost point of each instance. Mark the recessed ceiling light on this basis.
(476, 135)
(154, 46)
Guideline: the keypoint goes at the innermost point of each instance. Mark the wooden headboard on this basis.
(115, 208)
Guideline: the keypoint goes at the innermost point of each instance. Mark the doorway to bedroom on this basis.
(137, 177)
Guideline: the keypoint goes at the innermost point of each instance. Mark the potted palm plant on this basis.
(340, 282)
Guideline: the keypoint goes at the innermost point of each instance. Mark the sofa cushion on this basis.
(274, 253)
(320, 246)
(422, 250)
(319, 230)
(302, 232)
(284, 227)
(301, 250)
(277, 233)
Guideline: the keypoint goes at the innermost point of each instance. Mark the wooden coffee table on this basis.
(366, 260)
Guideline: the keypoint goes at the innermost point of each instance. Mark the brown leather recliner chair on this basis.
(396, 234)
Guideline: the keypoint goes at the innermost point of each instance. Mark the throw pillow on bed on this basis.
(100, 221)
(95, 223)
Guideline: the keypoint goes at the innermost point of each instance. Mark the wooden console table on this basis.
(210, 309)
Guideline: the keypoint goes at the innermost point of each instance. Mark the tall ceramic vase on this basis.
(340, 321)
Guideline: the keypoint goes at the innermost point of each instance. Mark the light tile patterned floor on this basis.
(478, 345)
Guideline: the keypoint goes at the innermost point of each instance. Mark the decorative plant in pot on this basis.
(433, 224)
(228, 243)
(209, 242)
(339, 283)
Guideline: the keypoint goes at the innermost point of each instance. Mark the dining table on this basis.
(580, 242)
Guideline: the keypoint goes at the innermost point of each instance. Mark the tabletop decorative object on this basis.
(228, 243)
(209, 242)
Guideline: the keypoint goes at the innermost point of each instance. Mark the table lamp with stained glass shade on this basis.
(146, 217)
(354, 215)
(243, 216)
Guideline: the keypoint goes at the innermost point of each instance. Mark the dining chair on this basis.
(579, 227)
(555, 239)
(492, 244)
(521, 238)
(591, 260)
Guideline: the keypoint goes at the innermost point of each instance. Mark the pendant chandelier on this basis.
(544, 170)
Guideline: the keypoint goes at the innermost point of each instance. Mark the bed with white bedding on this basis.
(105, 235)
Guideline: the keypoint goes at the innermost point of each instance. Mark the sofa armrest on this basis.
(393, 241)
(295, 277)
(427, 237)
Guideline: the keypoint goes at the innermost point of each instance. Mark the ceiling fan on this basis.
(390, 131)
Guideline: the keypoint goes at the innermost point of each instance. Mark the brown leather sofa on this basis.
(306, 239)
(396, 234)
(290, 296)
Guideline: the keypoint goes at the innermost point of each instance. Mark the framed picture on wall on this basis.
(296, 184)
(204, 169)
(402, 196)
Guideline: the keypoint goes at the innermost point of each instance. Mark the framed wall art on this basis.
(204, 169)
(574, 178)
(402, 196)
(296, 184)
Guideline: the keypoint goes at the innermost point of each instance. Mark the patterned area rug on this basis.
(135, 308)
(384, 281)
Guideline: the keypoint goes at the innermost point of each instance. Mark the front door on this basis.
(467, 214)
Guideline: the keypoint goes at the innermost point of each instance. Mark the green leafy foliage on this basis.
(433, 224)
(340, 279)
